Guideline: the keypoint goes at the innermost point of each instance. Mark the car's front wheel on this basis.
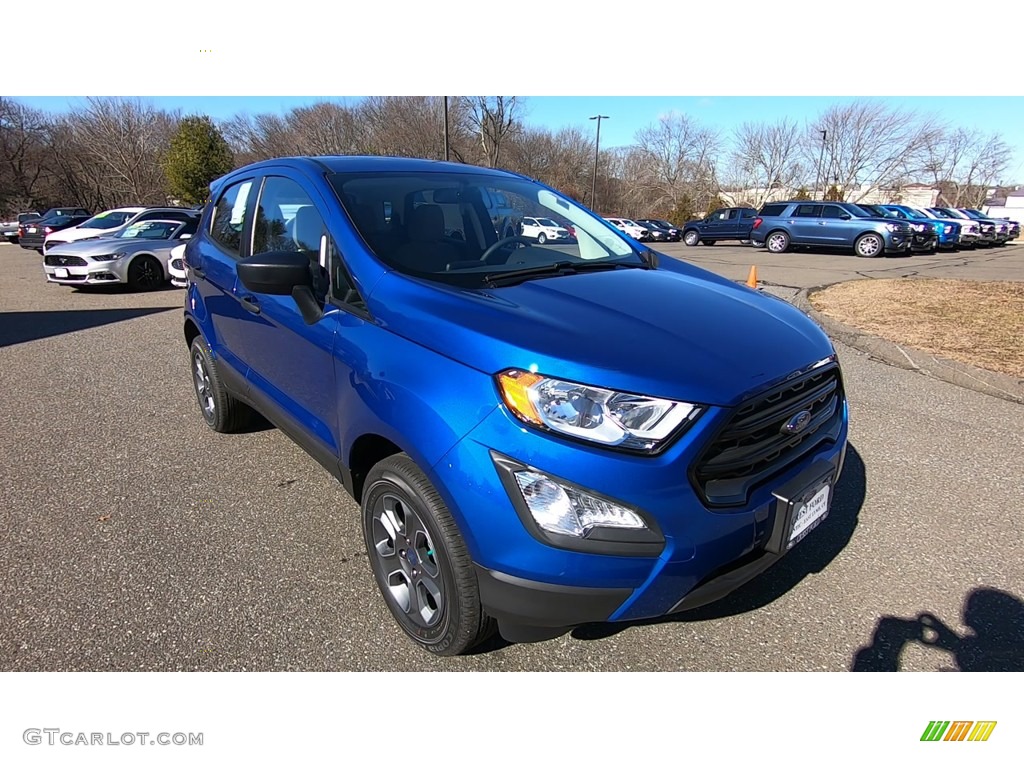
(869, 246)
(691, 237)
(145, 274)
(420, 560)
(542, 238)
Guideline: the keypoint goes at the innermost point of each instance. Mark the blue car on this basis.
(538, 436)
(829, 224)
(928, 233)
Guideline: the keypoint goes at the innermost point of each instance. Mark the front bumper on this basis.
(527, 583)
(897, 242)
(923, 241)
(94, 273)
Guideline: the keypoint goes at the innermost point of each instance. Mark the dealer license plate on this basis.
(60, 272)
(809, 514)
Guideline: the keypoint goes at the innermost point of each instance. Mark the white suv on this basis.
(630, 227)
(543, 229)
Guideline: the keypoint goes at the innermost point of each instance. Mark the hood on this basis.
(676, 332)
(110, 245)
(72, 234)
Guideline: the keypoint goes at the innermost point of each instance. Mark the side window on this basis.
(772, 210)
(734, 214)
(832, 212)
(229, 217)
(286, 220)
(807, 211)
(748, 213)
(718, 215)
(343, 288)
(190, 228)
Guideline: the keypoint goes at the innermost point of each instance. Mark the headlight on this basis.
(110, 256)
(619, 419)
(917, 227)
(948, 228)
(891, 227)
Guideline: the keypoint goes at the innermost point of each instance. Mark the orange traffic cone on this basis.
(752, 278)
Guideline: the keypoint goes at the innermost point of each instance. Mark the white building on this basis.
(1010, 207)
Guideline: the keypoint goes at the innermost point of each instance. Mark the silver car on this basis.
(136, 255)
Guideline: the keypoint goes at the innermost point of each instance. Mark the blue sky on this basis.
(628, 114)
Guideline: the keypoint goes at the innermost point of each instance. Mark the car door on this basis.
(714, 225)
(213, 262)
(291, 363)
(837, 227)
(806, 225)
(731, 224)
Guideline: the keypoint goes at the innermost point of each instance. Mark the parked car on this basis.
(176, 267)
(137, 255)
(33, 233)
(543, 229)
(655, 234)
(10, 228)
(831, 225)
(675, 234)
(523, 447)
(111, 222)
(720, 224)
(925, 233)
(62, 210)
(968, 228)
(1002, 226)
(986, 229)
(630, 227)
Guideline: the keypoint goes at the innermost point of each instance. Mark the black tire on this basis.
(404, 544)
(708, 242)
(870, 245)
(691, 237)
(221, 411)
(145, 274)
(542, 238)
(777, 242)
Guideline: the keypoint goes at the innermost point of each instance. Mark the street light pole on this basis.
(446, 151)
(821, 159)
(597, 154)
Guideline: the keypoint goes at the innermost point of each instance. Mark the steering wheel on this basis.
(505, 241)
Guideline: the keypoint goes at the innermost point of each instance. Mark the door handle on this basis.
(251, 304)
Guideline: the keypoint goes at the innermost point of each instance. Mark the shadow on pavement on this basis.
(812, 555)
(21, 327)
(994, 641)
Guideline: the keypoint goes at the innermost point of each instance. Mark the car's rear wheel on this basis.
(145, 274)
(420, 560)
(691, 237)
(221, 411)
(542, 238)
(777, 242)
(708, 242)
(869, 246)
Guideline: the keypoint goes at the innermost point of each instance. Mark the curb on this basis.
(970, 377)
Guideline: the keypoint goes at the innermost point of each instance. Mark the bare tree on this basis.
(22, 155)
(127, 139)
(493, 119)
(965, 163)
(767, 157)
(870, 145)
(678, 157)
(563, 159)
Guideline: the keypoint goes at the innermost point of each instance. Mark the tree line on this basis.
(112, 152)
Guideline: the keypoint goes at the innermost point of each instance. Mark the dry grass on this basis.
(980, 323)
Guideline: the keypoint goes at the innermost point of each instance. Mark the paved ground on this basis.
(133, 538)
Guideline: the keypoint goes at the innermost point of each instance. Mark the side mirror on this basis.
(185, 236)
(282, 273)
(845, 216)
(277, 273)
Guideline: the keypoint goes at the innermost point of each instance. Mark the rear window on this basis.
(772, 210)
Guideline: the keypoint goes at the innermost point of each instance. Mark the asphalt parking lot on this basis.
(136, 539)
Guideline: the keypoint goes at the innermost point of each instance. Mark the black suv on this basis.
(672, 233)
(721, 224)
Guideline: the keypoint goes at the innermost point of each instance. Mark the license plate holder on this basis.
(60, 272)
(801, 505)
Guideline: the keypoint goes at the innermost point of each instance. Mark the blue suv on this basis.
(538, 436)
(779, 226)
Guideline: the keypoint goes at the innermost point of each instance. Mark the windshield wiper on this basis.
(556, 269)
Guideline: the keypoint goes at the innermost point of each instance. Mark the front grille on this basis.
(752, 447)
(64, 261)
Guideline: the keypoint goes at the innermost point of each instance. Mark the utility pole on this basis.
(597, 154)
(821, 159)
(446, 150)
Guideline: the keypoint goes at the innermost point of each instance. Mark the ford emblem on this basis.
(796, 424)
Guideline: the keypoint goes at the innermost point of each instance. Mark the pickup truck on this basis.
(720, 224)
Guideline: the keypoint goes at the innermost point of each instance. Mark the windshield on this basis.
(462, 228)
(149, 230)
(856, 210)
(111, 220)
